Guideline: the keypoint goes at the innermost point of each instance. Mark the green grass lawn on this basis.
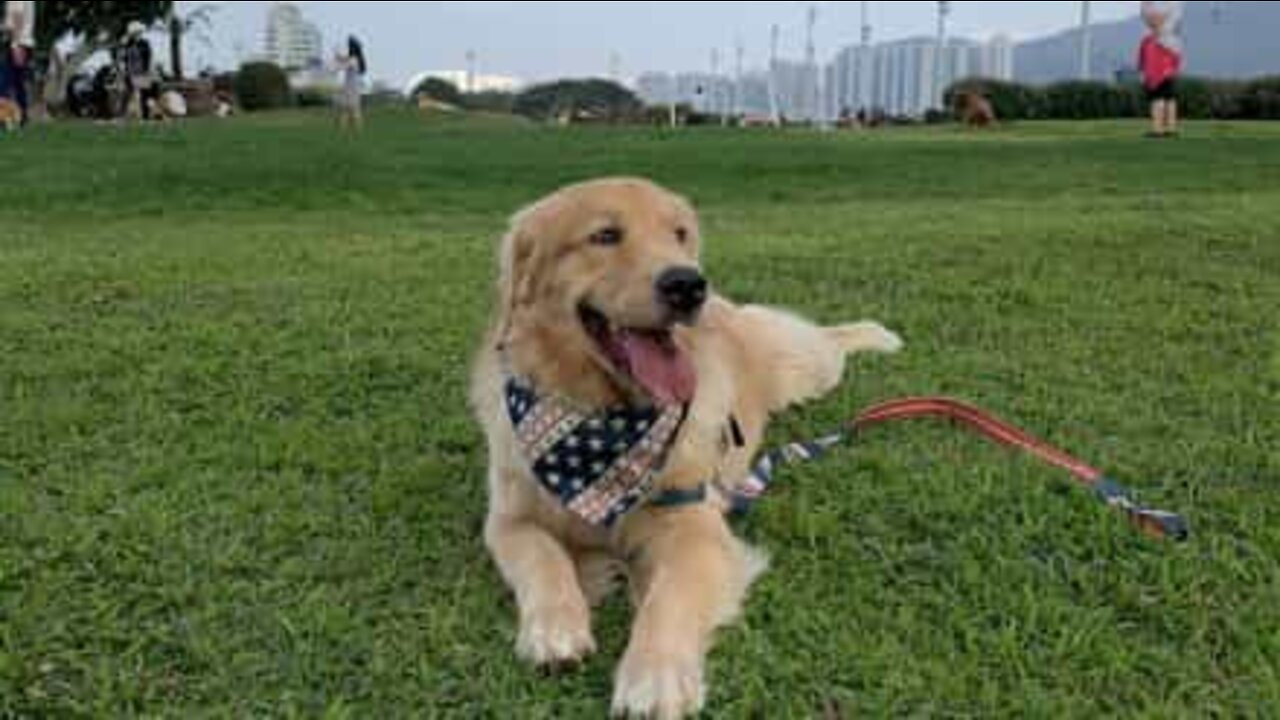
(237, 477)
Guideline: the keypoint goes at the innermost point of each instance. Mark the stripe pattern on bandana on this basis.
(599, 465)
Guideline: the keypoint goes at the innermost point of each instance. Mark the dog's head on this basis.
(615, 263)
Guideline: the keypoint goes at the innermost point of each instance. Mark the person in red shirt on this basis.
(1160, 62)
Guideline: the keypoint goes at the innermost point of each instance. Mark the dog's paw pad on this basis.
(556, 638)
(665, 690)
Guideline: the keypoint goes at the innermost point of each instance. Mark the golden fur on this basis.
(10, 114)
(975, 110)
(687, 572)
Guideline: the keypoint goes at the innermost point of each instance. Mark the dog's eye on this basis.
(682, 235)
(607, 236)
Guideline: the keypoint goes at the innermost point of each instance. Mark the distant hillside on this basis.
(1224, 39)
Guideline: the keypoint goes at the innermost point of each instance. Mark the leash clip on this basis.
(1158, 524)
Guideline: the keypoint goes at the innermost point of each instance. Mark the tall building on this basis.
(898, 77)
(290, 41)
(707, 93)
(701, 91)
(796, 92)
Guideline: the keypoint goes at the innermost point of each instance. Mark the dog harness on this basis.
(599, 465)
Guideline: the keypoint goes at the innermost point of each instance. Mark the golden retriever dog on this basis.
(975, 110)
(602, 304)
(10, 115)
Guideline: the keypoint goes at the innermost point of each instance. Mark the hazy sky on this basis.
(537, 40)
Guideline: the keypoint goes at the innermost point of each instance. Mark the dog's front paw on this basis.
(868, 337)
(881, 339)
(556, 636)
(651, 685)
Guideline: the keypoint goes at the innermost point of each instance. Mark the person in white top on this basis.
(352, 66)
(20, 26)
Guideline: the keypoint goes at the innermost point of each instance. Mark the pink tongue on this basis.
(661, 368)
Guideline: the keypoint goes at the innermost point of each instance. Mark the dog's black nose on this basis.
(683, 290)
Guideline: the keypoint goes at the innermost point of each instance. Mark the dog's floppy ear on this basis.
(515, 259)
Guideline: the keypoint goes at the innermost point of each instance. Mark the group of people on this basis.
(135, 83)
(126, 87)
(17, 53)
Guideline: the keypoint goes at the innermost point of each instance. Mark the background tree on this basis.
(262, 86)
(180, 26)
(97, 24)
(440, 90)
(599, 99)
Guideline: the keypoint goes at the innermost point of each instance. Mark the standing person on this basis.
(1160, 59)
(139, 80)
(20, 22)
(6, 69)
(352, 67)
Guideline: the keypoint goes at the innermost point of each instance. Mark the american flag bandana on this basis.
(599, 465)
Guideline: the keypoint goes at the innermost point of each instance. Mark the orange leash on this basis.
(1155, 523)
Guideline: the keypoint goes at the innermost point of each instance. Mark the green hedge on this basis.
(1261, 99)
(1200, 99)
(1011, 101)
(490, 101)
(1089, 100)
(314, 97)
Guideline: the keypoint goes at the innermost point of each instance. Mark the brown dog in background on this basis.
(10, 114)
(975, 110)
(589, 310)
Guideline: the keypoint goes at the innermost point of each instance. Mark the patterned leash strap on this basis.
(1154, 523)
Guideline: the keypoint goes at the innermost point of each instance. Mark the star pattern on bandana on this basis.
(599, 465)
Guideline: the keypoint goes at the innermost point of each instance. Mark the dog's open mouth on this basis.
(649, 357)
